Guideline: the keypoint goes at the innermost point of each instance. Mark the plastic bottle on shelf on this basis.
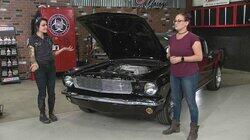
(5, 40)
(14, 62)
(8, 52)
(3, 51)
(4, 63)
(9, 41)
(15, 72)
(4, 73)
(13, 51)
(13, 40)
(9, 73)
(1, 41)
(9, 63)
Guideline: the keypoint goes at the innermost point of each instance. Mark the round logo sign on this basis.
(58, 25)
(140, 1)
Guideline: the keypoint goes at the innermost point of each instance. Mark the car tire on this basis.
(165, 115)
(216, 81)
(87, 110)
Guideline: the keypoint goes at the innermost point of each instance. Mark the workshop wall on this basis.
(20, 13)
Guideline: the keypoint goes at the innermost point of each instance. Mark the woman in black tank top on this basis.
(43, 65)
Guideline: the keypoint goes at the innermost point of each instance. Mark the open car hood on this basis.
(124, 36)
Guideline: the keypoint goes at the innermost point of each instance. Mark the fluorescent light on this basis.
(53, 1)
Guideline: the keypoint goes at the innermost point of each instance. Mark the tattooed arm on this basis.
(70, 48)
(34, 66)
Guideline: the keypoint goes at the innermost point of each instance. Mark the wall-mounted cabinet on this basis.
(210, 17)
(231, 15)
(243, 15)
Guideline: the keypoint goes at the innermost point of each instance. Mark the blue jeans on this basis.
(186, 86)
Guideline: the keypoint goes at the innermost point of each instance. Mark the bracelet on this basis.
(182, 58)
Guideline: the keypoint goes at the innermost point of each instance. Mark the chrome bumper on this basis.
(140, 102)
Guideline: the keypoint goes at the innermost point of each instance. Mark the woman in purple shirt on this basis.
(184, 53)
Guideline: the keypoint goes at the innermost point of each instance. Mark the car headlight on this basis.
(68, 80)
(150, 89)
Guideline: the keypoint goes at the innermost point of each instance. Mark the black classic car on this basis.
(135, 78)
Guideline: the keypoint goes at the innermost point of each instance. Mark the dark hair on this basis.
(35, 22)
(186, 15)
(38, 21)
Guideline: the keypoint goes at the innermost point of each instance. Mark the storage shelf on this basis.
(13, 55)
(10, 80)
(231, 15)
(14, 78)
(12, 66)
(7, 45)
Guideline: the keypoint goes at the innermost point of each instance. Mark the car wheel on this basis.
(165, 115)
(216, 81)
(87, 110)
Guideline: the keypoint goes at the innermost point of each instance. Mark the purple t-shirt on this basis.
(183, 47)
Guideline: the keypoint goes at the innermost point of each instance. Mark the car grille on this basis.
(103, 85)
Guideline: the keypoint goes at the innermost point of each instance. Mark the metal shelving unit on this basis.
(8, 56)
(231, 15)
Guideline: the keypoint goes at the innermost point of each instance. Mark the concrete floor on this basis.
(224, 114)
(20, 100)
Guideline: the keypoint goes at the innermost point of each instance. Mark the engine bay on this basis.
(122, 69)
(126, 69)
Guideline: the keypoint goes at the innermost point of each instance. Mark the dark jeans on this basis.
(45, 79)
(186, 86)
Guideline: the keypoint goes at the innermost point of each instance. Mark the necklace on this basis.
(182, 33)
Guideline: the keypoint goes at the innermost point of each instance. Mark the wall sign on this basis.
(58, 25)
(129, 3)
(152, 3)
(207, 3)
